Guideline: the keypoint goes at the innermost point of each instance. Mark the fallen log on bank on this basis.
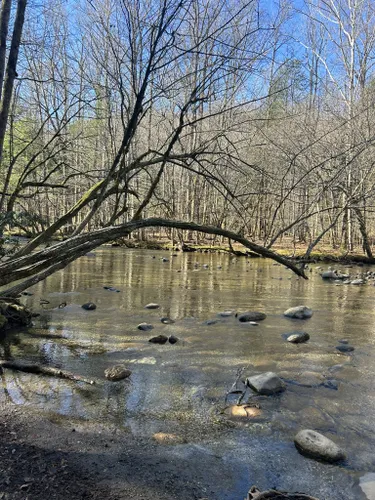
(43, 370)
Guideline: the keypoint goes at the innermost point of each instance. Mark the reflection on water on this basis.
(182, 388)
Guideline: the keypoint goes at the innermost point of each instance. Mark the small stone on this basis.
(160, 339)
(267, 383)
(357, 282)
(299, 312)
(251, 316)
(315, 445)
(164, 259)
(145, 327)
(168, 438)
(345, 348)
(117, 372)
(298, 337)
(243, 411)
(167, 321)
(344, 341)
(211, 322)
(225, 314)
(89, 306)
(27, 294)
(173, 340)
(152, 305)
(331, 384)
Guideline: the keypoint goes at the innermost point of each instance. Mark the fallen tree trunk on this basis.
(61, 254)
(44, 370)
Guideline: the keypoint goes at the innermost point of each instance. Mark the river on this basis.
(181, 388)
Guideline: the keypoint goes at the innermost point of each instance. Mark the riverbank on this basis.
(320, 255)
(45, 456)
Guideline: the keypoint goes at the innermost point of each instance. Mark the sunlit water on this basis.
(182, 388)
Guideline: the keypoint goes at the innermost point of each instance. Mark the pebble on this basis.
(160, 339)
(152, 305)
(89, 306)
(145, 327)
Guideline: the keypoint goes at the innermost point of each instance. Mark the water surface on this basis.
(182, 388)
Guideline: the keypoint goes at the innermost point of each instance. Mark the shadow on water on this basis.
(181, 388)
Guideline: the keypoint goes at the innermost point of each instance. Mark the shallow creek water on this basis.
(182, 388)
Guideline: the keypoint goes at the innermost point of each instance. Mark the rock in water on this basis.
(168, 438)
(152, 305)
(357, 282)
(225, 314)
(160, 339)
(298, 337)
(267, 383)
(173, 340)
(251, 316)
(345, 348)
(117, 372)
(329, 275)
(145, 327)
(367, 485)
(299, 312)
(210, 322)
(167, 321)
(315, 445)
(89, 306)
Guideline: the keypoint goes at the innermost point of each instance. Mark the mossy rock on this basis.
(15, 314)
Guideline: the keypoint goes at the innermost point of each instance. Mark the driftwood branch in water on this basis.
(44, 370)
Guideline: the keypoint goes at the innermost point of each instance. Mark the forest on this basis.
(155, 119)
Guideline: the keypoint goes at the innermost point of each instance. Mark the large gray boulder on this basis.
(299, 312)
(267, 383)
(315, 445)
(251, 316)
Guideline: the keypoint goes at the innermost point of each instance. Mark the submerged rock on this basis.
(211, 322)
(299, 312)
(267, 383)
(152, 305)
(298, 337)
(243, 411)
(117, 372)
(315, 445)
(160, 339)
(168, 438)
(89, 306)
(145, 327)
(345, 348)
(167, 321)
(225, 314)
(251, 316)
